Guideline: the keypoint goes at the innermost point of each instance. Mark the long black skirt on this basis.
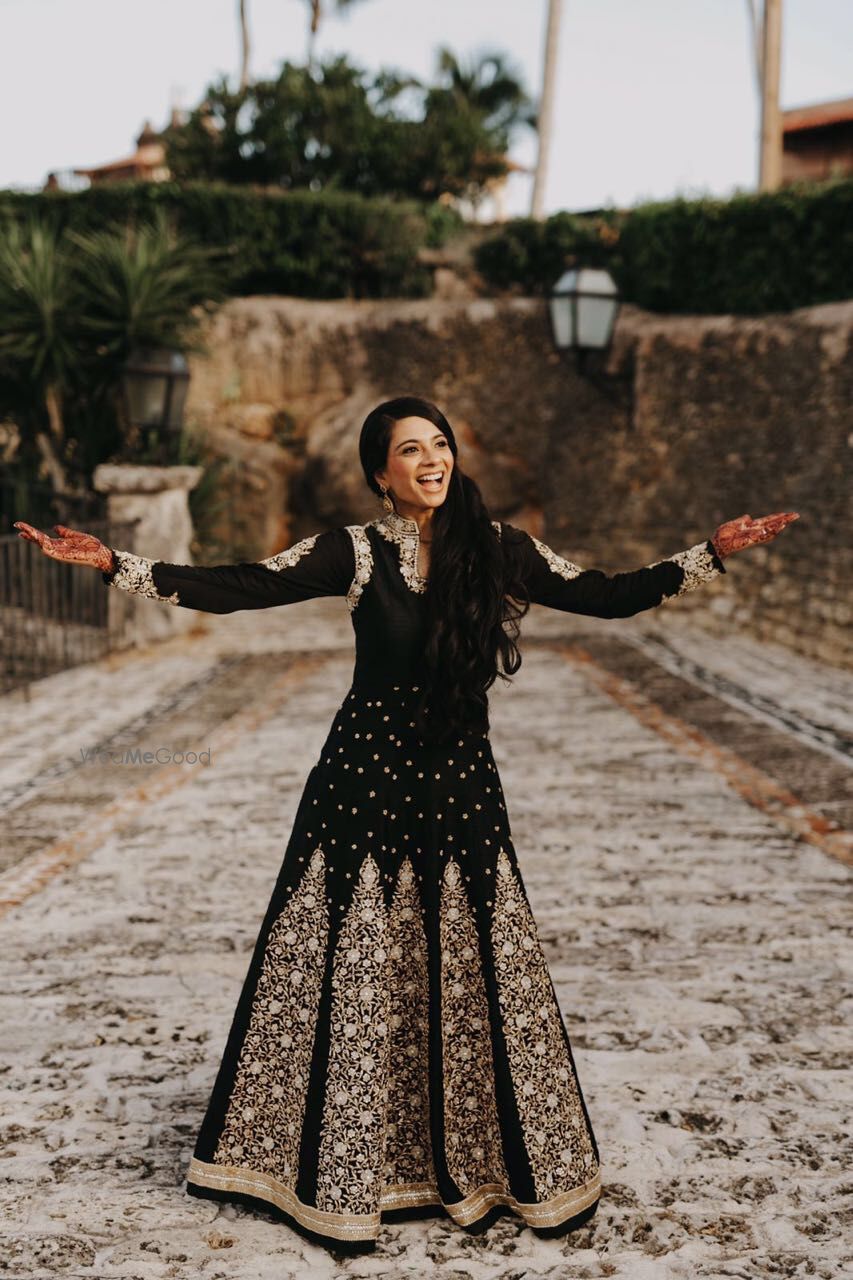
(398, 1050)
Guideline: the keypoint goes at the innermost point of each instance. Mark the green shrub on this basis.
(747, 255)
(324, 245)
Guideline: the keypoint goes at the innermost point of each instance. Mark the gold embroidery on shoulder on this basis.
(555, 1129)
(134, 574)
(291, 555)
(408, 1158)
(363, 564)
(557, 564)
(263, 1121)
(472, 1130)
(352, 1140)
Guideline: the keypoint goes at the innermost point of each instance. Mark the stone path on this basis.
(679, 811)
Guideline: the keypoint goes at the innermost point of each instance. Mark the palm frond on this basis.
(144, 286)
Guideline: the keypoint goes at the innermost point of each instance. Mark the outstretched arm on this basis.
(560, 584)
(322, 565)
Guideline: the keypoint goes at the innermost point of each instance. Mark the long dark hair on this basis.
(474, 598)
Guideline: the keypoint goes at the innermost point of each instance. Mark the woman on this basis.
(398, 1050)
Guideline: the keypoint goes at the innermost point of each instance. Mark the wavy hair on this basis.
(474, 599)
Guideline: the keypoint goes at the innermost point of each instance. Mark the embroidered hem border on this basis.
(364, 1226)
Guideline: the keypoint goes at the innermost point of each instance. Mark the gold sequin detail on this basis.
(472, 1131)
(405, 534)
(557, 564)
(352, 1141)
(363, 564)
(698, 565)
(696, 562)
(408, 1157)
(134, 574)
(266, 1108)
(555, 1130)
(291, 555)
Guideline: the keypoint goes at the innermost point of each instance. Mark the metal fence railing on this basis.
(55, 615)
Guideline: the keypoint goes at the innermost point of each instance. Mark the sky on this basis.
(655, 98)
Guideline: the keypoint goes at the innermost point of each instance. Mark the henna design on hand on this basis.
(743, 532)
(71, 547)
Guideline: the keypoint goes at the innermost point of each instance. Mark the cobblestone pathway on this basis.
(681, 813)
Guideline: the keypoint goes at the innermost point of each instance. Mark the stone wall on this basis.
(703, 419)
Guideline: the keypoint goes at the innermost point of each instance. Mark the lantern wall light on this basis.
(155, 382)
(583, 306)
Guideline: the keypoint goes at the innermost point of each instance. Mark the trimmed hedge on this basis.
(745, 256)
(324, 245)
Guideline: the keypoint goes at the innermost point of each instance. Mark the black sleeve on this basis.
(322, 565)
(559, 584)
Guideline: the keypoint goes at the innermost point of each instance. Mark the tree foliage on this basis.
(338, 127)
(73, 307)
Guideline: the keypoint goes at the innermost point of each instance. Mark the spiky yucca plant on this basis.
(72, 308)
(38, 341)
(144, 287)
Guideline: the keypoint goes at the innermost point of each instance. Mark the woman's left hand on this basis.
(734, 535)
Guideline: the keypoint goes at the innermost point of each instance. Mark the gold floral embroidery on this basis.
(263, 1121)
(406, 535)
(557, 564)
(472, 1131)
(134, 574)
(363, 564)
(698, 565)
(352, 1140)
(380, 1009)
(408, 1158)
(696, 562)
(291, 555)
(555, 1129)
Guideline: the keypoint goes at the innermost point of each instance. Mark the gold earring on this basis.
(387, 504)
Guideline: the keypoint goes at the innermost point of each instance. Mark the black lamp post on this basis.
(155, 382)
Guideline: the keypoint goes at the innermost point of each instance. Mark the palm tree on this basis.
(487, 93)
(756, 39)
(318, 12)
(546, 106)
(488, 85)
(244, 45)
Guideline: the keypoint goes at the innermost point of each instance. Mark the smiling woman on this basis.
(397, 1049)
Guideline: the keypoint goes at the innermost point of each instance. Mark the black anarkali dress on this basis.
(398, 1049)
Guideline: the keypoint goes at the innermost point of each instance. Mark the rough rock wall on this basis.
(701, 420)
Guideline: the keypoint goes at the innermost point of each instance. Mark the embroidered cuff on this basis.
(700, 564)
(133, 573)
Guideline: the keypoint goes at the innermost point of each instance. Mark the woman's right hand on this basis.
(71, 547)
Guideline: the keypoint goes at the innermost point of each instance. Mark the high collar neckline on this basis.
(400, 524)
